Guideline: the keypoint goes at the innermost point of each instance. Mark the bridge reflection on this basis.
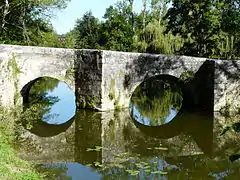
(115, 133)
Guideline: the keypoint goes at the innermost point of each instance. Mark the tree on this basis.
(132, 16)
(153, 40)
(87, 32)
(159, 9)
(210, 28)
(70, 39)
(117, 30)
(149, 36)
(230, 39)
(24, 20)
(198, 22)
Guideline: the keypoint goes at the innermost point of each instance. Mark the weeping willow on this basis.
(228, 47)
(153, 40)
(154, 99)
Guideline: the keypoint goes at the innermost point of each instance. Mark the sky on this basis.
(65, 108)
(64, 20)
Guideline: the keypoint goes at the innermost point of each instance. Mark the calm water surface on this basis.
(155, 138)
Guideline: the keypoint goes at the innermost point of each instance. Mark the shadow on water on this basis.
(88, 128)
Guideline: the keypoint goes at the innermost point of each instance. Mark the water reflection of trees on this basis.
(202, 167)
(190, 167)
(154, 98)
(39, 102)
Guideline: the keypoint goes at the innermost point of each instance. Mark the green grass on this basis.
(11, 166)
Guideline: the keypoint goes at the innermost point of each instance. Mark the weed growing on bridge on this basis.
(13, 67)
(92, 102)
(70, 73)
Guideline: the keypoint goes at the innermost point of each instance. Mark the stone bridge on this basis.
(106, 79)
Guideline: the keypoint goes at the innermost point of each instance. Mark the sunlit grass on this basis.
(11, 166)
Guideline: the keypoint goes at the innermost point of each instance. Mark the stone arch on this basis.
(132, 68)
(27, 83)
(39, 126)
(26, 88)
(178, 83)
(136, 80)
(163, 76)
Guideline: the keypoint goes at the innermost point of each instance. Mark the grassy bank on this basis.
(11, 166)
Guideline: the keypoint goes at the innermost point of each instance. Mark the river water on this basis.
(155, 138)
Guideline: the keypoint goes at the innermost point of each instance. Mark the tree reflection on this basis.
(39, 103)
(155, 99)
(52, 172)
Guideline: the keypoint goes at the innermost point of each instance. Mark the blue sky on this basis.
(65, 108)
(64, 20)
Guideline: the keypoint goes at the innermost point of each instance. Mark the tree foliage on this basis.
(118, 28)
(87, 29)
(26, 22)
(208, 28)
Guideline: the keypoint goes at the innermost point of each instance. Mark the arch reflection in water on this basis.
(156, 101)
(48, 103)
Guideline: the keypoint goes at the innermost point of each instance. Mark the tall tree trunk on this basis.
(144, 18)
(132, 18)
(5, 13)
(24, 28)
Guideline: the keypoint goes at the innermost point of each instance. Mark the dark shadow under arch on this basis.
(43, 129)
(26, 89)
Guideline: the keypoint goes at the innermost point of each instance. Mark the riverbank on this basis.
(11, 166)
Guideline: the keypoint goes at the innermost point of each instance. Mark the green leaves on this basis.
(98, 164)
(26, 22)
(202, 23)
(158, 148)
(132, 164)
(87, 31)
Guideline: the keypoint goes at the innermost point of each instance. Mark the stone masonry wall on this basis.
(227, 87)
(22, 64)
(88, 78)
(123, 72)
(105, 80)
